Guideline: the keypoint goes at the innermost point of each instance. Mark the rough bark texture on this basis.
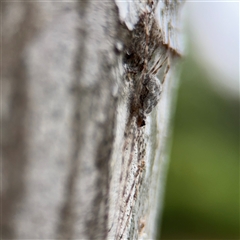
(80, 158)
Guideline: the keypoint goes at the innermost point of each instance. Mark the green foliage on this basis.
(202, 192)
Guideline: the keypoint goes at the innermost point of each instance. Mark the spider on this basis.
(151, 90)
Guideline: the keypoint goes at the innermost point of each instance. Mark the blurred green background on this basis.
(202, 192)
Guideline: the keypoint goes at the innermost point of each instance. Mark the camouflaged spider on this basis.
(151, 90)
(153, 87)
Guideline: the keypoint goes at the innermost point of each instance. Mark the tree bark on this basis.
(81, 158)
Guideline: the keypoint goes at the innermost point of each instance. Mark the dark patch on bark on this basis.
(14, 137)
(98, 224)
(67, 218)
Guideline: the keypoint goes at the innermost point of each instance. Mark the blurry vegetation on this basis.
(202, 192)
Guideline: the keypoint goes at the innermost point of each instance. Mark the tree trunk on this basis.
(84, 150)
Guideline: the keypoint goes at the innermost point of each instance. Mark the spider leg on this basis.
(156, 68)
(166, 71)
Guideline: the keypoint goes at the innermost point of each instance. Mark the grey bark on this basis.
(75, 162)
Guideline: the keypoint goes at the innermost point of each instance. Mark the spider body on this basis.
(152, 89)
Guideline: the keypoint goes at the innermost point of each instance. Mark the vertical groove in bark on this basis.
(14, 151)
(13, 124)
(66, 217)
